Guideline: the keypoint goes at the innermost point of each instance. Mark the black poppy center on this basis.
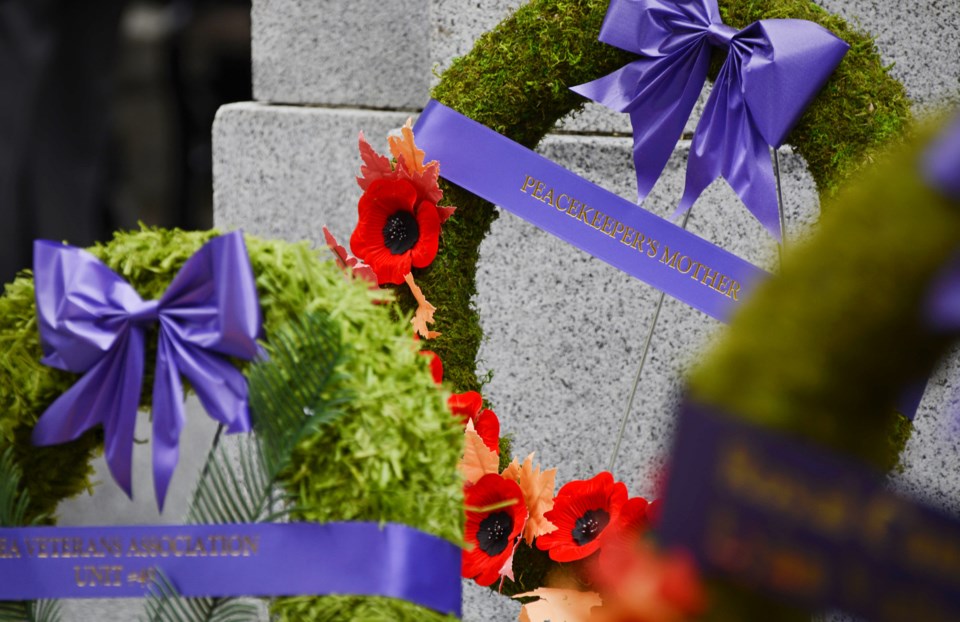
(494, 533)
(401, 232)
(589, 526)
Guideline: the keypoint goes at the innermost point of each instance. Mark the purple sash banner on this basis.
(595, 220)
(268, 559)
(812, 527)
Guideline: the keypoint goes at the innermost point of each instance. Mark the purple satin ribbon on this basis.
(815, 527)
(773, 70)
(595, 220)
(92, 322)
(940, 166)
(941, 163)
(290, 559)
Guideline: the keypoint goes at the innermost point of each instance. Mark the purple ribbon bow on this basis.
(93, 322)
(773, 70)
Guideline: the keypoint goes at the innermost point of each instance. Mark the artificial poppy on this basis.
(436, 365)
(396, 232)
(582, 511)
(653, 587)
(491, 535)
(467, 406)
(623, 538)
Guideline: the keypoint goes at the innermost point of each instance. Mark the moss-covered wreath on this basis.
(391, 457)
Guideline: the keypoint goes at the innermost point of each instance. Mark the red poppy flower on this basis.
(493, 534)
(582, 511)
(623, 538)
(396, 232)
(466, 406)
(436, 365)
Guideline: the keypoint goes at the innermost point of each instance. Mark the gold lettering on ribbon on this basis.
(628, 236)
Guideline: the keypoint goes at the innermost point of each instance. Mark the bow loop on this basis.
(773, 70)
(93, 322)
(658, 30)
(786, 67)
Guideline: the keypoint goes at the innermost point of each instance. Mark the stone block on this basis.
(285, 171)
(363, 53)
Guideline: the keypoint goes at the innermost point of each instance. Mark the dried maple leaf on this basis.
(374, 167)
(424, 176)
(512, 472)
(405, 150)
(537, 490)
(558, 605)
(477, 460)
(347, 262)
(424, 312)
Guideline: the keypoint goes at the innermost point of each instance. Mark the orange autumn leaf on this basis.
(512, 472)
(477, 460)
(538, 491)
(558, 605)
(424, 313)
(374, 167)
(405, 150)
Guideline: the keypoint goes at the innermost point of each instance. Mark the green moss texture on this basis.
(391, 457)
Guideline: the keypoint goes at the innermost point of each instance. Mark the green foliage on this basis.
(14, 502)
(391, 457)
(360, 609)
(294, 393)
(30, 611)
(164, 604)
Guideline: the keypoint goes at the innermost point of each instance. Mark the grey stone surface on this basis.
(921, 39)
(285, 171)
(372, 54)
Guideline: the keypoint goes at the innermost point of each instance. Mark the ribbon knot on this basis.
(773, 70)
(147, 313)
(720, 35)
(94, 323)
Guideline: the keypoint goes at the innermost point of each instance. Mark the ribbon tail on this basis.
(727, 144)
(168, 418)
(108, 394)
(659, 94)
(221, 387)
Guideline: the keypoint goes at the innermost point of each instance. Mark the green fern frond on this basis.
(30, 611)
(293, 392)
(164, 604)
(13, 499)
(14, 502)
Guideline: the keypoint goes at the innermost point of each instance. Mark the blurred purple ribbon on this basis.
(773, 70)
(940, 167)
(941, 162)
(93, 322)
